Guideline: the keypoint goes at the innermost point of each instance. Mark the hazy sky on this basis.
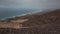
(38, 4)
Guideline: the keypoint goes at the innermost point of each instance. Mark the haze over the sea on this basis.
(10, 8)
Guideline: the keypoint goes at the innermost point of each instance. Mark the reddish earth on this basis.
(48, 23)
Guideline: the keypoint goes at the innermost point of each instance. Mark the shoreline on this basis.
(34, 12)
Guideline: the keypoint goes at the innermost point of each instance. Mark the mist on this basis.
(32, 4)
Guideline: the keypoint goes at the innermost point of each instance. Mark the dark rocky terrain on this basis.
(47, 23)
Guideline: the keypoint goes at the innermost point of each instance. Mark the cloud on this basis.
(30, 3)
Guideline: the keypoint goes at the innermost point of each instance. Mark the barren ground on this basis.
(48, 23)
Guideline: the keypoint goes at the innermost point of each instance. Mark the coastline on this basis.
(34, 12)
(45, 23)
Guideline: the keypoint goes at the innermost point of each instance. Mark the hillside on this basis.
(47, 23)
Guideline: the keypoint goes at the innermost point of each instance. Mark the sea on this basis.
(12, 13)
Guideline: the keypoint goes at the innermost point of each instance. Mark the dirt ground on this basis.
(48, 23)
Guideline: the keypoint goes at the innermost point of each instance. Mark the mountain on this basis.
(45, 23)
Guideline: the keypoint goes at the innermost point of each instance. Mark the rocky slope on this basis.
(47, 23)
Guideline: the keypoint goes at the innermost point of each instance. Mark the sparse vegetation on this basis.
(48, 23)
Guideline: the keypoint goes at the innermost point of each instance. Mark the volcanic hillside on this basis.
(47, 23)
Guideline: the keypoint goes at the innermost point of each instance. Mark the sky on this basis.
(35, 4)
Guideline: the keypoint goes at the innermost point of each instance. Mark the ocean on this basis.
(10, 13)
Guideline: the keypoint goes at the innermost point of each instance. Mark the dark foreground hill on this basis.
(47, 23)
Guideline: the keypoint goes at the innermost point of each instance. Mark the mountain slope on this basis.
(47, 23)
